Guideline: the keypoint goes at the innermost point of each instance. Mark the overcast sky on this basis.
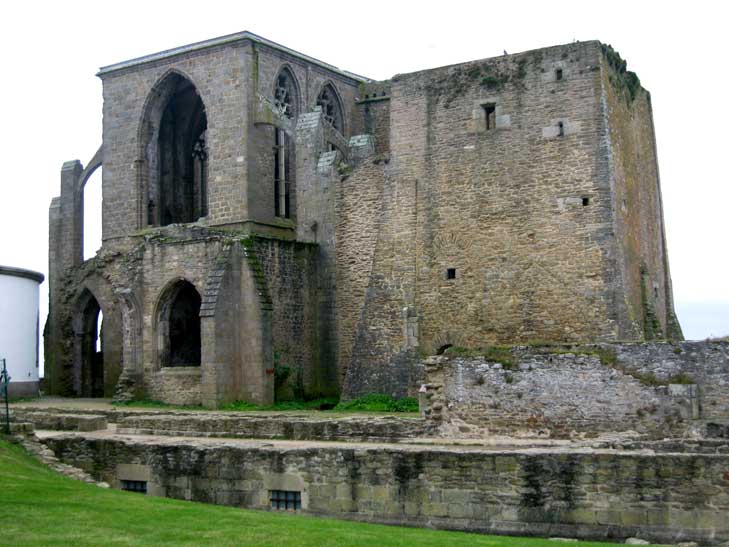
(52, 99)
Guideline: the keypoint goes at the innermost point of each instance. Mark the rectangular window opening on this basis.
(285, 500)
(490, 113)
(451, 273)
(585, 202)
(558, 74)
(560, 125)
(134, 486)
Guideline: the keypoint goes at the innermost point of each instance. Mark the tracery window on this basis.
(284, 96)
(330, 106)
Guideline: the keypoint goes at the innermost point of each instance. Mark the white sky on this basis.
(52, 100)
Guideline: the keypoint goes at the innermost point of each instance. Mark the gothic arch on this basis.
(286, 92)
(177, 323)
(173, 154)
(331, 105)
(97, 344)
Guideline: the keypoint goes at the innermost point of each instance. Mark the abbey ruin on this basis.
(487, 236)
(271, 222)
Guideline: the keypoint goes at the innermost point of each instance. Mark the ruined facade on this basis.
(276, 227)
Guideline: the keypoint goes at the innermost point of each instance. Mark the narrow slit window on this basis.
(134, 486)
(451, 273)
(558, 74)
(560, 126)
(282, 184)
(490, 115)
(285, 500)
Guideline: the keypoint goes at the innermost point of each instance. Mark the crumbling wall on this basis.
(655, 390)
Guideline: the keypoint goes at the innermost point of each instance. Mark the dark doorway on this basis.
(181, 321)
(89, 377)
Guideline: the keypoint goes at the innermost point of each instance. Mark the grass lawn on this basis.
(41, 507)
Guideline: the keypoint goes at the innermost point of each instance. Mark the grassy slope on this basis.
(40, 507)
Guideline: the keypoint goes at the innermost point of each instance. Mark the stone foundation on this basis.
(605, 494)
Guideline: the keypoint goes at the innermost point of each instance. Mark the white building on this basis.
(19, 328)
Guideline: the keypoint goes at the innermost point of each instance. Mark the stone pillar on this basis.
(65, 250)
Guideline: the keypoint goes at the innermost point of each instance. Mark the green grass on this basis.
(367, 403)
(44, 508)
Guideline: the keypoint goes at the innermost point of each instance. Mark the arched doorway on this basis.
(88, 378)
(174, 139)
(179, 326)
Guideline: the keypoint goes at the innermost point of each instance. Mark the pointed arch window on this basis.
(331, 108)
(175, 152)
(284, 95)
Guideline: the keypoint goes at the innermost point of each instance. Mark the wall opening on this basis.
(92, 214)
(443, 348)
(560, 127)
(134, 486)
(558, 74)
(285, 500)
(282, 174)
(331, 108)
(176, 153)
(451, 273)
(89, 355)
(585, 202)
(179, 326)
(285, 95)
(489, 110)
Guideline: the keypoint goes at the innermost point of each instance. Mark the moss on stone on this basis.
(624, 81)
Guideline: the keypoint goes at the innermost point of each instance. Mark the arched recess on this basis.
(88, 365)
(97, 342)
(331, 106)
(178, 325)
(174, 153)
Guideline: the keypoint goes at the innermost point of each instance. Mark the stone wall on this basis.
(498, 213)
(588, 494)
(655, 390)
(645, 297)
(290, 272)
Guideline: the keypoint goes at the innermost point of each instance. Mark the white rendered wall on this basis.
(19, 327)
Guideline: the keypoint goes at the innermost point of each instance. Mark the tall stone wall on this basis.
(589, 494)
(644, 296)
(654, 390)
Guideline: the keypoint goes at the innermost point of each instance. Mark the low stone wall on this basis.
(586, 494)
(61, 421)
(355, 428)
(175, 385)
(656, 390)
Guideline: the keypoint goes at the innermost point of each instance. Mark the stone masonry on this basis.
(275, 227)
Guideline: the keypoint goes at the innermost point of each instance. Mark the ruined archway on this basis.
(178, 326)
(88, 364)
(175, 152)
